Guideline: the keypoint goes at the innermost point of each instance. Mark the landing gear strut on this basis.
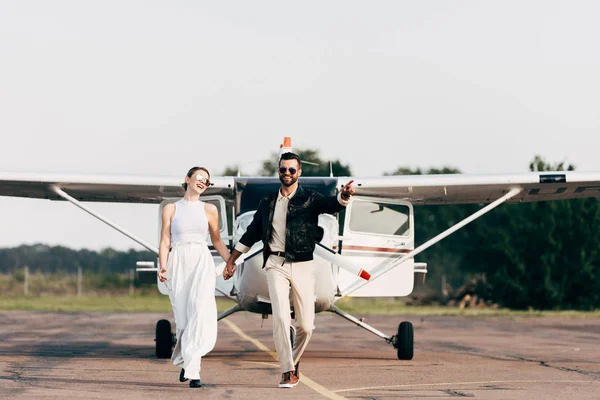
(403, 341)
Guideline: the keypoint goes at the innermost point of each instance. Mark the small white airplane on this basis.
(372, 238)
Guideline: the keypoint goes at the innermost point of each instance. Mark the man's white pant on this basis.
(301, 277)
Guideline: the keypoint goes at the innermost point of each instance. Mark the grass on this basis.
(355, 306)
(119, 303)
(387, 306)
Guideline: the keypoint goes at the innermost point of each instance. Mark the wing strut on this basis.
(76, 202)
(384, 267)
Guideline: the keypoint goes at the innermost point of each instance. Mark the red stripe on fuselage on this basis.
(375, 249)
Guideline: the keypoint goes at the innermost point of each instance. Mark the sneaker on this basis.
(288, 380)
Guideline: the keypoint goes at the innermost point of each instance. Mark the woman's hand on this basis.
(162, 274)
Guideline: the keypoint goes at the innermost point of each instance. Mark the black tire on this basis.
(164, 339)
(405, 341)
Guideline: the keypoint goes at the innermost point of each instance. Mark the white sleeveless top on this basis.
(189, 224)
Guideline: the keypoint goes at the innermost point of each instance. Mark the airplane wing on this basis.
(465, 188)
(103, 188)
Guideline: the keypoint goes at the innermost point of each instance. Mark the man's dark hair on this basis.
(291, 156)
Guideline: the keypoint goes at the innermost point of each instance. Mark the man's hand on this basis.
(348, 190)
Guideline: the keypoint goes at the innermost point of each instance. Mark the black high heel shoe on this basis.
(182, 378)
(195, 383)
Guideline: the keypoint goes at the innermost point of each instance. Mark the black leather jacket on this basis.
(301, 230)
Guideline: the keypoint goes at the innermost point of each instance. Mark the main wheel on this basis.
(404, 341)
(164, 339)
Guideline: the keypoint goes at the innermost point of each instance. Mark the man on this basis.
(286, 222)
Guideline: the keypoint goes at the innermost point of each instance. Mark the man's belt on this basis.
(278, 253)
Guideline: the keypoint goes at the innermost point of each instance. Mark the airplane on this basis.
(372, 238)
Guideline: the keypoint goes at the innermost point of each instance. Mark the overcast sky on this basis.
(152, 88)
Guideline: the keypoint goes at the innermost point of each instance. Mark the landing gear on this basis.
(403, 341)
(163, 339)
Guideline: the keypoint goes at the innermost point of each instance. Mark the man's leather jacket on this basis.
(301, 230)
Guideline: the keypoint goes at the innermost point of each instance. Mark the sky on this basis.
(153, 88)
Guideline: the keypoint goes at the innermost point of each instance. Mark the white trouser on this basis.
(301, 277)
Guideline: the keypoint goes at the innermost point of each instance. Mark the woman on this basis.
(188, 270)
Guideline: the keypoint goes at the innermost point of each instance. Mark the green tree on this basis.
(230, 171)
(543, 255)
(312, 165)
(52, 259)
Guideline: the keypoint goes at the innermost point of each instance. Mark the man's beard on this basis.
(293, 180)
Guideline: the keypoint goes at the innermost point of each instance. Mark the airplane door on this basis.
(377, 231)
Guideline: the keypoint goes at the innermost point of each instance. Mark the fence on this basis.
(28, 282)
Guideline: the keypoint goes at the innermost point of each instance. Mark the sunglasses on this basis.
(201, 178)
(283, 169)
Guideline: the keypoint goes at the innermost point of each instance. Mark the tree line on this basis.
(59, 259)
(542, 255)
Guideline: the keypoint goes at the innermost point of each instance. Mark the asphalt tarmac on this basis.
(96, 355)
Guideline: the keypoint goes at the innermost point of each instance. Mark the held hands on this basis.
(229, 270)
(347, 190)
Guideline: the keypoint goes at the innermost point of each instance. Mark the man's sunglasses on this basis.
(283, 169)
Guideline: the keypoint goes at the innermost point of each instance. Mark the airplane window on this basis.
(379, 218)
(217, 204)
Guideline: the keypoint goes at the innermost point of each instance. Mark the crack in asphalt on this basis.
(456, 393)
(593, 374)
(14, 370)
(478, 353)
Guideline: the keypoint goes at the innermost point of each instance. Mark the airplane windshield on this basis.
(252, 190)
(380, 218)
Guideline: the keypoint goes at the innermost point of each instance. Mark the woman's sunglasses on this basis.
(201, 178)
(283, 169)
